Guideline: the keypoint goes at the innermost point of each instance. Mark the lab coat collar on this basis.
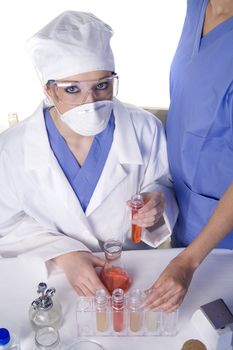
(36, 136)
(125, 150)
(125, 137)
(37, 151)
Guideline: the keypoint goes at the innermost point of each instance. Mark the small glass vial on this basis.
(44, 311)
(136, 204)
(153, 321)
(101, 306)
(118, 310)
(12, 119)
(113, 275)
(135, 313)
(47, 338)
(8, 341)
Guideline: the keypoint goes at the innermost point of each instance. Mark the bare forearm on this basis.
(218, 226)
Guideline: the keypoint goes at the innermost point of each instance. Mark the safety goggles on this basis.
(76, 92)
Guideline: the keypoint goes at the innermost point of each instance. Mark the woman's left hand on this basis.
(152, 210)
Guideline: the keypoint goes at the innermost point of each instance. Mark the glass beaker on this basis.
(47, 338)
(113, 275)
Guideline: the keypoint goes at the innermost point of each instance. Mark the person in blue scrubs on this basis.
(200, 144)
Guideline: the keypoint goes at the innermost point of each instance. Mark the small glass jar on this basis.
(45, 311)
(136, 204)
(113, 275)
(47, 338)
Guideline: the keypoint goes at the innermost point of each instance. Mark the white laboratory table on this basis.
(19, 279)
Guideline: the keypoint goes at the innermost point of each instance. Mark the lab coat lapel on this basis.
(51, 179)
(124, 151)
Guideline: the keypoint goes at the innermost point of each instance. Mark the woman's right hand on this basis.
(169, 290)
(79, 268)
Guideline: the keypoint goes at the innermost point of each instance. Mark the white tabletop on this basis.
(19, 279)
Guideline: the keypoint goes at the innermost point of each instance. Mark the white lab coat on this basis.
(39, 212)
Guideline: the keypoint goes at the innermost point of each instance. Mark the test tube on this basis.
(153, 321)
(118, 306)
(85, 313)
(136, 204)
(135, 310)
(101, 302)
(169, 322)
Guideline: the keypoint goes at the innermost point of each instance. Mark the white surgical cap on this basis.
(72, 43)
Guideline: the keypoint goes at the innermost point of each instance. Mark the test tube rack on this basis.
(91, 322)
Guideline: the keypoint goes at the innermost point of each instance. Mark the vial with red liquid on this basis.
(113, 275)
(118, 306)
(136, 204)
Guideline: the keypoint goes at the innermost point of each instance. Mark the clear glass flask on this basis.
(113, 275)
(136, 204)
(101, 306)
(45, 311)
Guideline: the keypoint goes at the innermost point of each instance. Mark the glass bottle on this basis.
(135, 312)
(47, 338)
(44, 311)
(136, 204)
(8, 341)
(101, 303)
(113, 275)
(118, 306)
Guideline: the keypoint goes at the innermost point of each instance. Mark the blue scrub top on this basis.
(200, 122)
(83, 180)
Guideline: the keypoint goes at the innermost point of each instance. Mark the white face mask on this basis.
(88, 119)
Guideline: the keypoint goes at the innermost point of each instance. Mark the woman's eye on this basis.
(72, 89)
(102, 86)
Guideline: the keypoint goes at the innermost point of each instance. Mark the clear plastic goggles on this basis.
(76, 92)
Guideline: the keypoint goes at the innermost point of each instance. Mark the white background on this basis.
(146, 34)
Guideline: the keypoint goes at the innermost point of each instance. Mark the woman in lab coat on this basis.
(67, 172)
(201, 148)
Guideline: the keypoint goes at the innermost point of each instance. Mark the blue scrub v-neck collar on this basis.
(201, 42)
(83, 180)
(198, 37)
(216, 33)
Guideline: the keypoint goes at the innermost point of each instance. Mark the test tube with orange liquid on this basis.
(136, 204)
(118, 306)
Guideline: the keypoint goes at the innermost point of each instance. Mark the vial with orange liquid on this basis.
(118, 306)
(136, 204)
(113, 275)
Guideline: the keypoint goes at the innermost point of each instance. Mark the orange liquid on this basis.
(136, 230)
(115, 277)
(118, 320)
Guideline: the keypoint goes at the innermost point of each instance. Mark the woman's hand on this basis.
(168, 292)
(152, 210)
(79, 268)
